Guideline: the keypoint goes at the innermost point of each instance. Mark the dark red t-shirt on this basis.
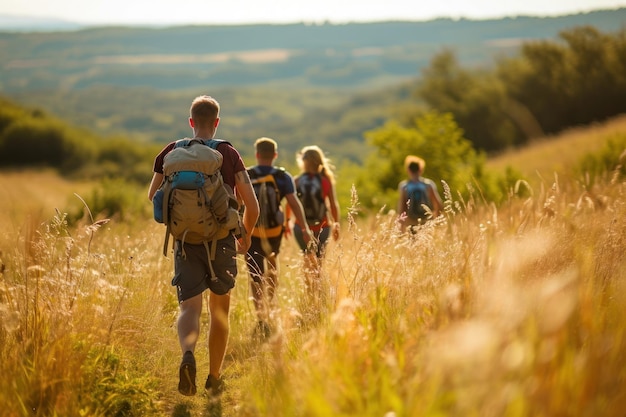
(231, 164)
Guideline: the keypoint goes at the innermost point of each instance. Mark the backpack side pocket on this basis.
(157, 204)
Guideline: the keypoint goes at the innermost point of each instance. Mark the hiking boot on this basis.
(214, 386)
(187, 374)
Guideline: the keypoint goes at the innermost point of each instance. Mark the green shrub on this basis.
(112, 390)
(611, 158)
(114, 198)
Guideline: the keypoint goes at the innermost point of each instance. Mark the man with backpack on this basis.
(419, 199)
(205, 247)
(271, 185)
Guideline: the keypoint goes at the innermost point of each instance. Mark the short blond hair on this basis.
(266, 147)
(204, 110)
(411, 161)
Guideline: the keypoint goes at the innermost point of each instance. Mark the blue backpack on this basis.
(417, 196)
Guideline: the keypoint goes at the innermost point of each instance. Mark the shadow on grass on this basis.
(182, 410)
(212, 408)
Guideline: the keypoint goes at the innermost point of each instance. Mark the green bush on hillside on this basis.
(31, 138)
(114, 198)
(610, 160)
(43, 142)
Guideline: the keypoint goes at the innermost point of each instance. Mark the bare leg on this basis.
(189, 323)
(257, 294)
(272, 279)
(219, 306)
(188, 332)
(263, 292)
(312, 274)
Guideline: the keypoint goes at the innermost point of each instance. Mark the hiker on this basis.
(271, 184)
(315, 187)
(415, 192)
(194, 271)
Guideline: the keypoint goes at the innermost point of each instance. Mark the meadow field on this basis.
(514, 310)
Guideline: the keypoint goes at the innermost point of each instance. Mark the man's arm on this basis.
(436, 200)
(402, 199)
(334, 211)
(245, 192)
(157, 179)
(402, 205)
(294, 204)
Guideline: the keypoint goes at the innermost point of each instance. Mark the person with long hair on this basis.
(315, 187)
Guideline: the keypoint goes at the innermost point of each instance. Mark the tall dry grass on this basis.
(517, 310)
(511, 311)
(73, 309)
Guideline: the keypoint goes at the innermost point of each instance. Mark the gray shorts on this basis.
(192, 274)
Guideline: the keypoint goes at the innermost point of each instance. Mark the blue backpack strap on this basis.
(278, 171)
(214, 143)
(182, 142)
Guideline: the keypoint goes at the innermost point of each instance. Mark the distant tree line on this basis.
(548, 86)
(119, 168)
(455, 117)
(32, 138)
(551, 85)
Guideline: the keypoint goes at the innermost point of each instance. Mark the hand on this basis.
(312, 245)
(286, 231)
(308, 236)
(336, 231)
(243, 243)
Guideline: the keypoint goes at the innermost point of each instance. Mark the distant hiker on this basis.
(418, 196)
(315, 187)
(271, 185)
(200, 264)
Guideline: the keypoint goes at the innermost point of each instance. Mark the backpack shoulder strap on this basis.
(320, 179)
(180, 143)
(414, 182)
(325, 191)
(214, 143)
(254, 172)
(278, 171)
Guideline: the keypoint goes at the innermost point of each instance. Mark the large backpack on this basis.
(417, 197)
(193, 201)
(310, 193)
(271, 216)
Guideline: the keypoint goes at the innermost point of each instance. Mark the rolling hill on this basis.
(298, 82)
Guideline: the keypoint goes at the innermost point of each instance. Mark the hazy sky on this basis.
(283, 11)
